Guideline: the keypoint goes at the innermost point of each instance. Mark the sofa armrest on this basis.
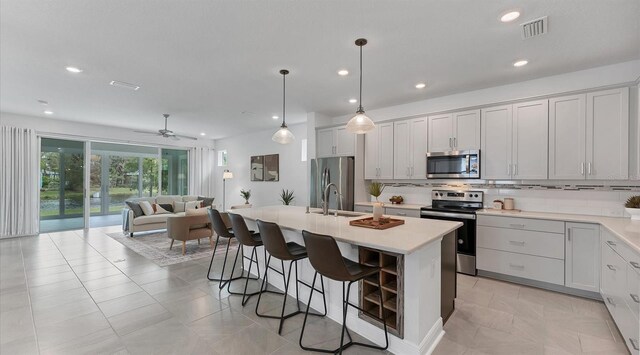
(130, 220)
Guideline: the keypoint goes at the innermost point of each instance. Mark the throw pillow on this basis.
(166, 206)
(146, 208)
(206, 201)
(179, 206)
(192, 204)
(135, 207)
(160, 210)
(196, 212)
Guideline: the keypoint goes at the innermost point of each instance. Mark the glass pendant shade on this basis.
(360, 124)
(283, 135)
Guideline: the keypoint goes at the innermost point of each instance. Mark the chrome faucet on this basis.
(325, 204)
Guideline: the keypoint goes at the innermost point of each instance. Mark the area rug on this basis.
(155, 247)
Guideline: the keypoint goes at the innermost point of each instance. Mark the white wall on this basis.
(82, 131)
(293, 171)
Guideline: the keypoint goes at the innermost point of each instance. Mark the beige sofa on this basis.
(134, 224)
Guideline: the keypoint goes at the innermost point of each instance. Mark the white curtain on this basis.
(19, 171)
(202, 164)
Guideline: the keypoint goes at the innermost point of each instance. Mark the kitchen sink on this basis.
(342, 213)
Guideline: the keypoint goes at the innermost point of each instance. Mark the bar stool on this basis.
(250, 239)
(326, 258)
(222, 231)
(277, 247)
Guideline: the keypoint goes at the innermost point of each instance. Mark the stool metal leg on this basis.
(222, 280)
(246, 296)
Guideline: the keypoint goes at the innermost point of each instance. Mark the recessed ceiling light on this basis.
(74, 70)
(353, 101)
(275, 117)
(203, 134)
(343, 72)
(510, 16)
(421, 85)
(122, 84)
(48, 112)
(520, 63)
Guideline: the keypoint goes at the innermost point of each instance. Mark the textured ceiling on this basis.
(214, 64)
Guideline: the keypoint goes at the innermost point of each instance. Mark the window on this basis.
(175, 172)
(222, 158)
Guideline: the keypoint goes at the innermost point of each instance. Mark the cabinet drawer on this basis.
(402, 212)
(520, 265)
(540, 225)
(363, 208)
(536, 243)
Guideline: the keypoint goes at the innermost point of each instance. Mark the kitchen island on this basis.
(416, 243)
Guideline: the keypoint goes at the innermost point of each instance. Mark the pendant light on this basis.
(360, 123)
(283, 135)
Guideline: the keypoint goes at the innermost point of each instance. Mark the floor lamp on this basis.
(226, 175)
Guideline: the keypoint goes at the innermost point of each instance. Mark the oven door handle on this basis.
(447, 214)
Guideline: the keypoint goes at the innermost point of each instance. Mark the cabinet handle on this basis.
(517, 242)
(516, 225)
(401, 214)
(610, 300)
(611, 267)
(611, 242)
(450, 145)
(515, 169)
(455, 143)
(508, 169)
(635, 298)
(516, 266)
(412, 171)
(635, 264)
(589, 168)
(634, 343)
(582, 168)
(569, 234)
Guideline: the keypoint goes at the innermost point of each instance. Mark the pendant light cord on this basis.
(360, 109)
(284, 98)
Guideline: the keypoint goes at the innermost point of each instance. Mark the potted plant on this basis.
(286, 197)
(632, 206)
(246, 194)
(375, 190)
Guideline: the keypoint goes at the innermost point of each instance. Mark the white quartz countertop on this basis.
(624, 228)
(404, 239)
(391, 205)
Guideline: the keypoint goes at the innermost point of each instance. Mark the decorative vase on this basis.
(634, 212)
(378, 208)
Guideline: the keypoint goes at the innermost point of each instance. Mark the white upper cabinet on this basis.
(589, 136)
(495, 151)
(530, 140)
(466, 130)
(410, 148)
(567, 135)
(336, 141)
(608, 134)
(454, 131)
(441, 133)
(378, 152)
(514, 141)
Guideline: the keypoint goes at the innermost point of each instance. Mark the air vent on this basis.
(534, 28)
(122, 84)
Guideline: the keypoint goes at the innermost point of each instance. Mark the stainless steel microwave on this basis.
(457, 164)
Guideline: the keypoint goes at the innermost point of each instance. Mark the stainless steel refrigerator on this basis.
(339, 171)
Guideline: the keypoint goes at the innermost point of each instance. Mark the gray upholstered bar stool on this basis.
(223, 231)
(279, 248)
(326, 258)
(250, 239)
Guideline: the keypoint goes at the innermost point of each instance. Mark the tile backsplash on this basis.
(598, 201)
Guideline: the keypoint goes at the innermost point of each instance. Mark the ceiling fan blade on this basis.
(148, 132)
(186, 137)
(174, 137)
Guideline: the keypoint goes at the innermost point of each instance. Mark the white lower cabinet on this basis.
(521, 265)
(582, 256)
(619, 289)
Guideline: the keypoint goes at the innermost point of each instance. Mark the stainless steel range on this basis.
(459, 206)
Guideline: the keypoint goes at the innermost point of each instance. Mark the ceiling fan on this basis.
(166, 133)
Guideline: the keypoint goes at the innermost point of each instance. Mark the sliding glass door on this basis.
(175, 172)
(61, 185)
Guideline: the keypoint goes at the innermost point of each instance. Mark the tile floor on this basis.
(494, 317)
(84, 293)
(81, 292)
